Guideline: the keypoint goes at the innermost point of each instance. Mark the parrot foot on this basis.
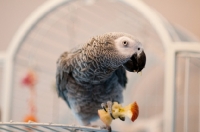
(109, 106)
(107, 128)
(101, 127)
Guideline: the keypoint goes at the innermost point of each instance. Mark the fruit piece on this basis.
(131, 111)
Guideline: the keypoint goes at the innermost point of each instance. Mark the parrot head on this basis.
(132, 50)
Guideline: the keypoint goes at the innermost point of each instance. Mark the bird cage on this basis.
(167, 92)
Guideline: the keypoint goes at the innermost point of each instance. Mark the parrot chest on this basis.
(88, 98)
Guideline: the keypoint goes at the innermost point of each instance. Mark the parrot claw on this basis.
(103, 105)
(122, 118)
(107, 128)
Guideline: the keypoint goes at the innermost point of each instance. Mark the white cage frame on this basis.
(171, 49)
(43, 127)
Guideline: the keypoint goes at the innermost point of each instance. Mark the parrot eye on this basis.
(125, 43)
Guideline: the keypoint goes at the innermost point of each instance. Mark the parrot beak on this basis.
(136, 63)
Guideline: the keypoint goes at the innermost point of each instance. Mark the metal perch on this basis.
(44, 127)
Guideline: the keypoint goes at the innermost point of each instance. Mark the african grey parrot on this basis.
(95, 74)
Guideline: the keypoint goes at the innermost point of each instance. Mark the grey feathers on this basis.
(93, 74)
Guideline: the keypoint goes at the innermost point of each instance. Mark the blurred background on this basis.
(31, 79)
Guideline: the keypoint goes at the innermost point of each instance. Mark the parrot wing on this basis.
(62, 78)
(121, 74)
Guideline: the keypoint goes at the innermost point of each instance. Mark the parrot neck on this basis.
(94, 68)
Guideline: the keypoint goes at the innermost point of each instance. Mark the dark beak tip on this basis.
(136, 63)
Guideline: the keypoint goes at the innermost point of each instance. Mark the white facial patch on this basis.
(127, 46)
